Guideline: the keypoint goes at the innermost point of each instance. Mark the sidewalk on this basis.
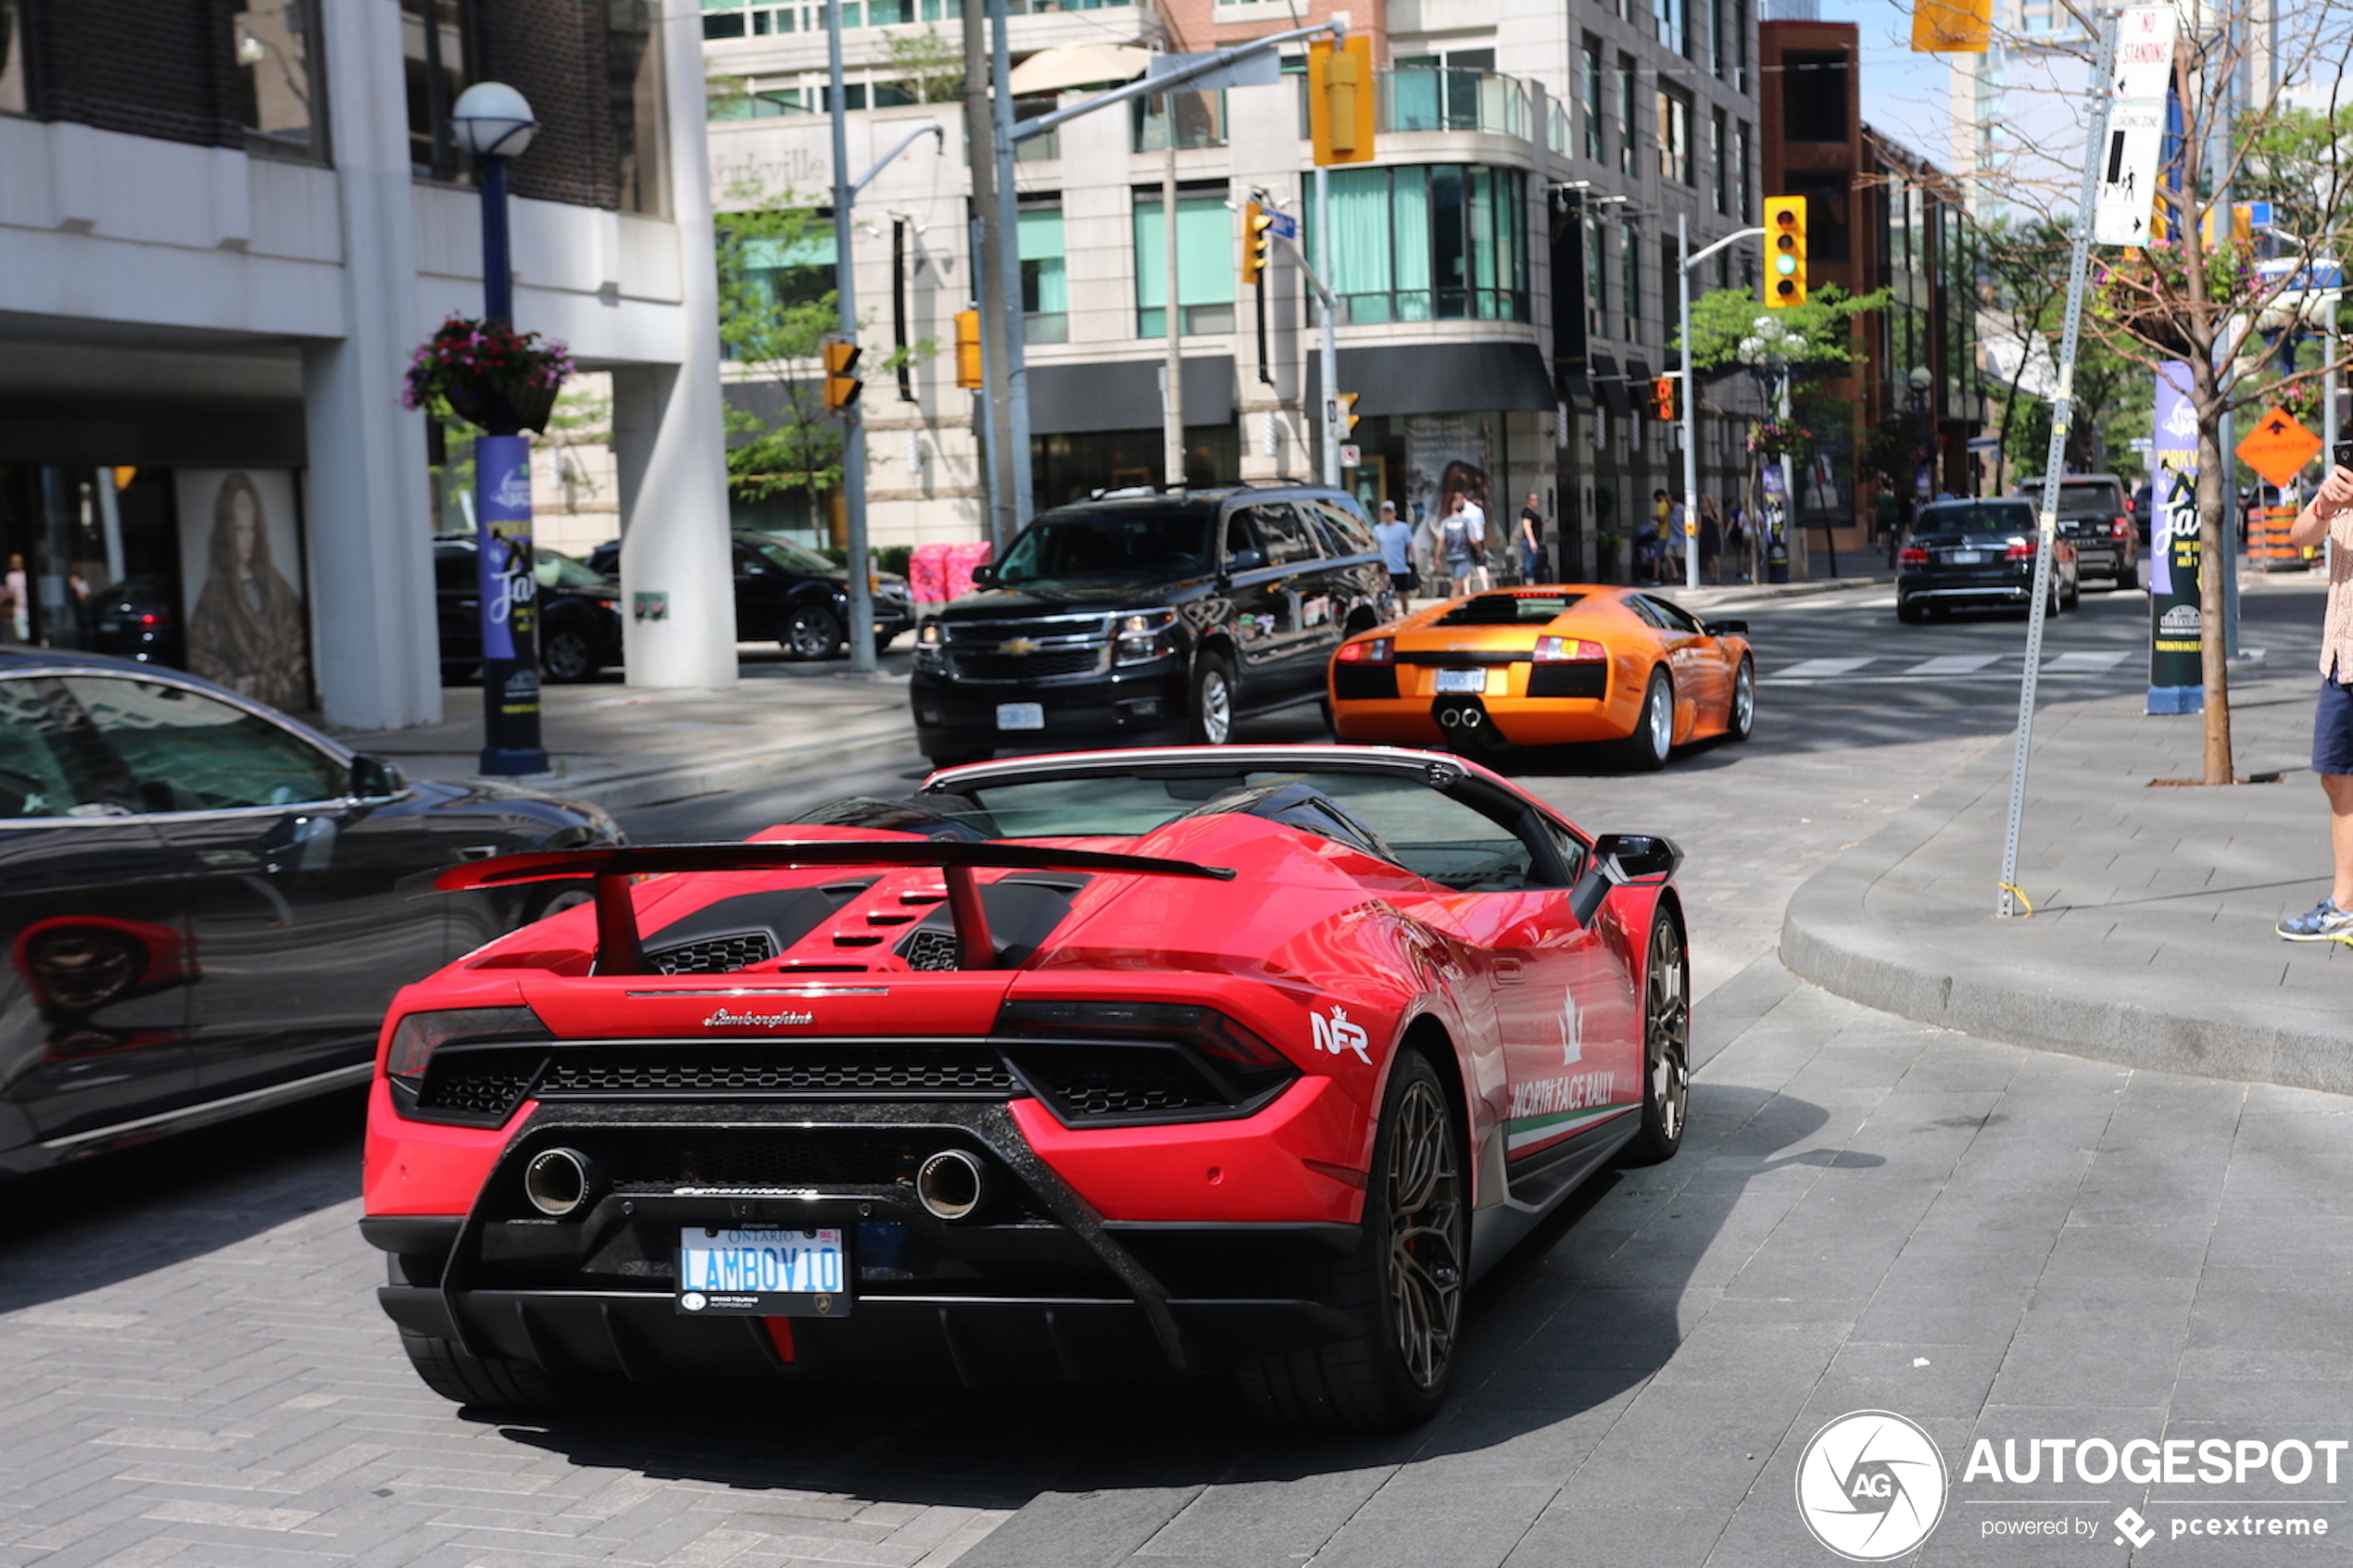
(2151, 942)
(618, 746)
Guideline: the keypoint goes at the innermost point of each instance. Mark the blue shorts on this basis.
(2333, 728)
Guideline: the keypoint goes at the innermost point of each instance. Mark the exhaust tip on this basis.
(559, 1181)
(949, 1185)
(1472, 718)
(1449, 717)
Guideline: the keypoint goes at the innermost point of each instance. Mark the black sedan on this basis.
(1977, 554)
(579, 612)
(795, 598)
(207, 907)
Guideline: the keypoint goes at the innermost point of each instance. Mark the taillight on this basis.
(2121, 528)
(2020, 549)
(1374, 650)
(417, 1037)
(1568, 650)
(154, 618)
(1912, 555)
(1251, 1068)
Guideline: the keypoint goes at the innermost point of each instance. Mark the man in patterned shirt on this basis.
(2329, 515)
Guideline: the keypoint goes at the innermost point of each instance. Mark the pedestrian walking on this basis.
(1460, 543)
(2329, 515)
(1711, 538)
(19, 627)
(1395, 537)
(1736, 540)
(1481, 579)
(1531, 541)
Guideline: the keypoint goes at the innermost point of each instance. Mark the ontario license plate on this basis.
(1472, 682)
(1021, 716)
(775, 1273)
(1965, 557)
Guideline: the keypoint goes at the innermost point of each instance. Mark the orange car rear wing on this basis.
(620, 951)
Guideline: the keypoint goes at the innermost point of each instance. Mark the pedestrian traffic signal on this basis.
(841, 384)
(1784, 251)
(1344, 414)
(968, 348)
(1341, 99)
(1663, 394)
(1258, 242)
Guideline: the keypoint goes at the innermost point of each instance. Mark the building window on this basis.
(772, 269)
(1596, 277)
(437, 57)
(633, 93)
(1673, 17)
(1590, 91)
(1442, 242)
(1716, 59)
(1814, 95)
(1629, 288)
(1717, 172)
(1740, 171)
(1674, 136)
(15, 88)
(1201, 120)
(1045, 290)
(1626, 113)
(1741, 34)
(277, 86)
(1206, 251)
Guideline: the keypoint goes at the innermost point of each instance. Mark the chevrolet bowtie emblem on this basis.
(1018, 645)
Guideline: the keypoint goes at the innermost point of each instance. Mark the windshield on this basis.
(1509, 609)
(784, 553)
(1110, 544)
(556, 570)
(1986, 516)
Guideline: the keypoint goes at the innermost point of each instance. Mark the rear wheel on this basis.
(1653, 734)
(1742, 721)
(1404, 1282)
(491, 1382)
(1211, 720)
(811, 632)
(1667, 1047)
(567, 654)
(2128, 577)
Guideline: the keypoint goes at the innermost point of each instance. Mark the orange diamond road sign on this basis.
(2278, 446)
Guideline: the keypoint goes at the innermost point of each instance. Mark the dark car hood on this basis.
(1075, 593)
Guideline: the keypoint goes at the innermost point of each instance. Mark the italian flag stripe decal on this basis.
(1522, 1131)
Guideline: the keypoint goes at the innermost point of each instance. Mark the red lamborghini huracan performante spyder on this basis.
(1146, 1063)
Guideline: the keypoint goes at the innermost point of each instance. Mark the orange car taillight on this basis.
(417, 1037)
(1375, 650)
(1569, 650)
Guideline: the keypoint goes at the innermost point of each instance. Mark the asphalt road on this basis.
(1867, 1214)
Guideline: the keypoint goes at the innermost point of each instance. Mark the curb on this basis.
(1903, 957)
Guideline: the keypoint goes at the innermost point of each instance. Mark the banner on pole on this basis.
(2177, 674)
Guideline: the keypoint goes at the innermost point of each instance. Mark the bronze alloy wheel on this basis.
(1667, 1045)
(1425, 1194)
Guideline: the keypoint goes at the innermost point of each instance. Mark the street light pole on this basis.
(1691, 398)
(493, 123)
(859, 633)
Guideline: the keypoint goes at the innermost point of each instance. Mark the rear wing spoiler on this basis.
(621, 950)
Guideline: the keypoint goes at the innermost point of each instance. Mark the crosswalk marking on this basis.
(1947, 666)
(1809, 669)
(1954, 664)
(2070, 662)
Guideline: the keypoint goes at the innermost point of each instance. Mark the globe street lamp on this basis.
(492, 122)
(1924, 471)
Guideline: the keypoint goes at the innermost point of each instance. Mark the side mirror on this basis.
(1620, 860)
(372, 778)
(1246, 561)
(1725, 628)
(985, 575)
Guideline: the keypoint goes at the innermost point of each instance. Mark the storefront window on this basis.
(1432, 243)
(277, 88)
(1204, 264)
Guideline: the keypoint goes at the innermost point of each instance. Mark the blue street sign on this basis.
(1282, 225)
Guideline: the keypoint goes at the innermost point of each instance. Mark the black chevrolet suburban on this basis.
(1148, 615)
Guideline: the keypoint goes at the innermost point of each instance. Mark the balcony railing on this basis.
(1455, 100)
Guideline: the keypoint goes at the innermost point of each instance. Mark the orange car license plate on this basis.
(1472, 682)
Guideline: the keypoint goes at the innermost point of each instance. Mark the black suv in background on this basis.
(795, 598)
(2095, 517)
(1148, 615)
(579, 612)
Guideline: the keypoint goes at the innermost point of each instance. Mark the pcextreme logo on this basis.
(1870, 1486)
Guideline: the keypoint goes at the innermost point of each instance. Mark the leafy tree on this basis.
(2024, 270)
(775, 310)
(931, 66)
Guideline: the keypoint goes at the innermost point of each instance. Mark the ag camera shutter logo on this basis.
(1870, 1486)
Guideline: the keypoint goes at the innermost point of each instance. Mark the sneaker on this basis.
(2322, 923)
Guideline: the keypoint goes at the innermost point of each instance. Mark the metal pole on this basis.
(498, 267)
(2055, 457)
(1017, 426)
(1691, 446)
(1172, 402)
(1330, 308)
(861, 630)
(1789, 482)
(989, 401)
(2330, 434)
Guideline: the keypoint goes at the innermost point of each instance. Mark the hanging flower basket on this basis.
(1770, 438)
(489, 375)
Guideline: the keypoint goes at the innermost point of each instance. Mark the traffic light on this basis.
(1340, 99)
(1344, 415)
(841, 384)
(1258, 242)
(1784, 251)
(968, 348)
(1663, 394)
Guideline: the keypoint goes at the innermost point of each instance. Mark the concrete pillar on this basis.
(370, 512)
(669, 435)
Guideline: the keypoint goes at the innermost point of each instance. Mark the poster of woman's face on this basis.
(240, 564)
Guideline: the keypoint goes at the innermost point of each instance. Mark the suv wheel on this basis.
(811, 631)
(1212, 718)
